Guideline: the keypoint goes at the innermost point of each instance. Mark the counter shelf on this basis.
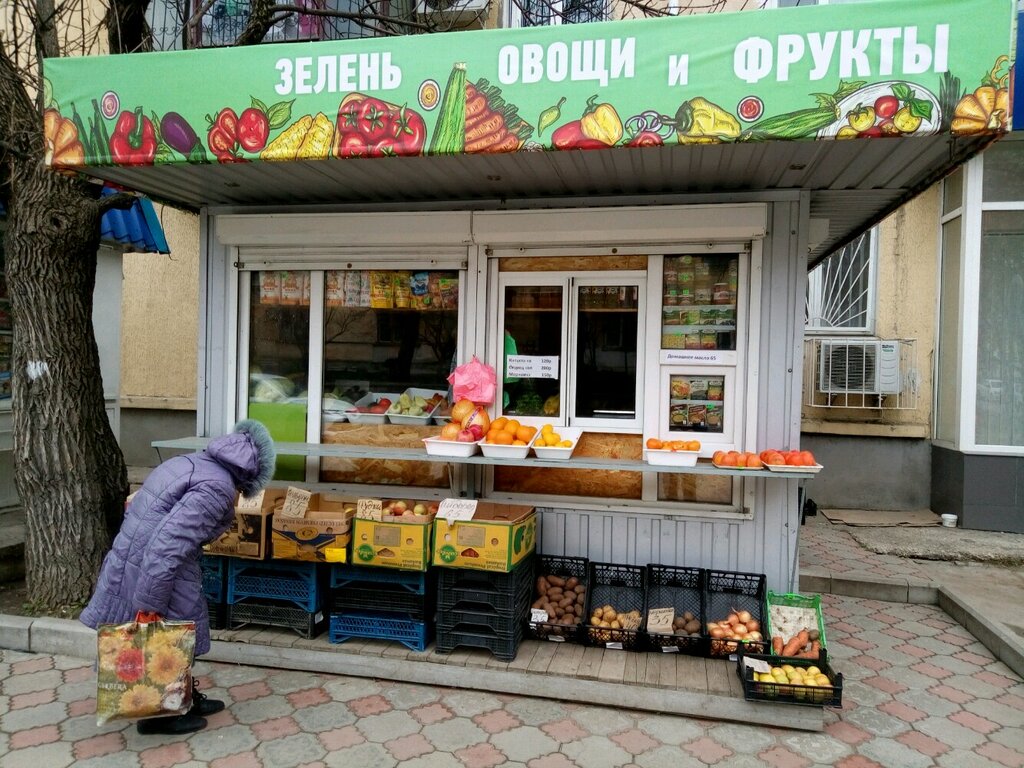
(703, 467)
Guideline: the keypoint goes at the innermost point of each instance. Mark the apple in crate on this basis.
(466, 436)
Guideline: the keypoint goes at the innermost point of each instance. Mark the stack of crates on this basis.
(275, 593)
(382, 604)
(215, 587)
(483, 609)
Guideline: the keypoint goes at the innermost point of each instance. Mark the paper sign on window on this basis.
(532, 366)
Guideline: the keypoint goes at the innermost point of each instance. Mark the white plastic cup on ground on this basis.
(949, 521)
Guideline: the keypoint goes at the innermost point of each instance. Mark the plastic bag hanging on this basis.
(475, 381)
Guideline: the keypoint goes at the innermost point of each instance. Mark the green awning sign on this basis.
(866, 70)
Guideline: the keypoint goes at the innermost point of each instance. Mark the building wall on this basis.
(861, 446)
(160, 317)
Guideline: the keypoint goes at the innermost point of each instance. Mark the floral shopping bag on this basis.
(144, 669)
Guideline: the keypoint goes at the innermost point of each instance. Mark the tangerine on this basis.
(512, 426)
(525, 434)
(654, 444)
(499, 423)
(503, 437)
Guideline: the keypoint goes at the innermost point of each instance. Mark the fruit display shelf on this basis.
(319, 450)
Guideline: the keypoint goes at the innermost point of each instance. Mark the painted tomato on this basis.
(886, 106)
(253, 129)
(370, 127)
(373, 121)
(750, 109)
(353, 145)
(408, 131)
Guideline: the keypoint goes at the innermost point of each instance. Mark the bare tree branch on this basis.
(121, 201)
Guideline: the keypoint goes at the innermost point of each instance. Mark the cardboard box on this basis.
(497, 538)
(249, 535)
(393, 542)
(319, 532)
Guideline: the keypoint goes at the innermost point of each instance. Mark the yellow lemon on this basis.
(565, 444)
(546, 429)
(813, 671)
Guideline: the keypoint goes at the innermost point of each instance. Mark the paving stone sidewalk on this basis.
(920, 691)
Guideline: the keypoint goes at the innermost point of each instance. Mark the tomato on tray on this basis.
(372, 127)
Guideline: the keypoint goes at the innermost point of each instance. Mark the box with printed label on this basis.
(395, 541)
(249, 535)
(320, 534)
(495, 539)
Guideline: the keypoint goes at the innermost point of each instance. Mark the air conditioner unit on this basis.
(455, 11)
(859, 367)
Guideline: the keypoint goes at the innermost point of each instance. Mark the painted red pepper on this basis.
(134, 139)
(646, 139)
(571, 136)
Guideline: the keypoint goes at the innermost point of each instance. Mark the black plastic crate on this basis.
(564, 568)
(215, 577)
(218, 613)
(726, 592)
(503, 647)
(503, 622)
(415, 582)
(501, 591)
(381, 597)
(681, 589)
(621, 587)
(276, 614)
(413, 634)
(293, 581)
(778, 692)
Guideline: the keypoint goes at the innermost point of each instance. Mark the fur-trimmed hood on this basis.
(248, 454)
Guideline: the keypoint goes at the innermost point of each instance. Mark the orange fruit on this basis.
(518, 442)
(525, 434)
(693, 445)
(503, 437)
(499, 423)
(654, 444)
(512, 426)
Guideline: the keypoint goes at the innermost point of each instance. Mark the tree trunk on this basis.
(69, 470)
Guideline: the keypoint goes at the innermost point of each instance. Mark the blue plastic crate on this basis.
(343, 574)
(295, 582)
(413, 634)
(215, 571)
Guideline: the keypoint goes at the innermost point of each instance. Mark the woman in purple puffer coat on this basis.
(153, 565)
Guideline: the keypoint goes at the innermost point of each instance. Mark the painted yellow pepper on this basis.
(601, 122)
(698, 121)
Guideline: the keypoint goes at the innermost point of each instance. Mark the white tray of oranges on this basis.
(508, 439)
(556, 443)
(672, 453)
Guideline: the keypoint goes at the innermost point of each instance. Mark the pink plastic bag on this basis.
(474, 381)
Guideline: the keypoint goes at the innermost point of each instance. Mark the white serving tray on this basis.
(811, 470)
(551, 453)
(437, 447)
(370, 418)
(423, 420)
(667, 458)
(508, 451)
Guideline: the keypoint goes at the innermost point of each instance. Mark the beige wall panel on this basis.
(581, 482)
(905, 309)
(382, 471)
(159, 317)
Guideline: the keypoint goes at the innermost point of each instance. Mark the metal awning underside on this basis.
(852, 184)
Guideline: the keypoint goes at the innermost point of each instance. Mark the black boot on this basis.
(187, 723)
(203, 705)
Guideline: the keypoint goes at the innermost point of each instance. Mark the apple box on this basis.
(393, 541)
(496, 538)
(320, 532)
(249, 535)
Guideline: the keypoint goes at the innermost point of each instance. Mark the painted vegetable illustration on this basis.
(803, 123)
(253, 129)
(492, 124)
(134, 139)
(63, 146)
(99, 139)
(308, 138)
(229, 131)
(903, 110)
(749, 109)
(549, 116)
(370, 127)
(177, 134)
(986, 108)
(598, 127)
(223, 134)
(699, 121)
(450, 131)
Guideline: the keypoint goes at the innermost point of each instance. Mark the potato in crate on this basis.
(615, 606)
(679, 590)
(560, 594)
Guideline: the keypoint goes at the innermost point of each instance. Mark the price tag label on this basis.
(613, 646)
(556, 638)
(251, 503)
(758, 665)
(296, 502)
(369, 509)
(538, 615)
(660, 620)
(670, 649)
(455, 510)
